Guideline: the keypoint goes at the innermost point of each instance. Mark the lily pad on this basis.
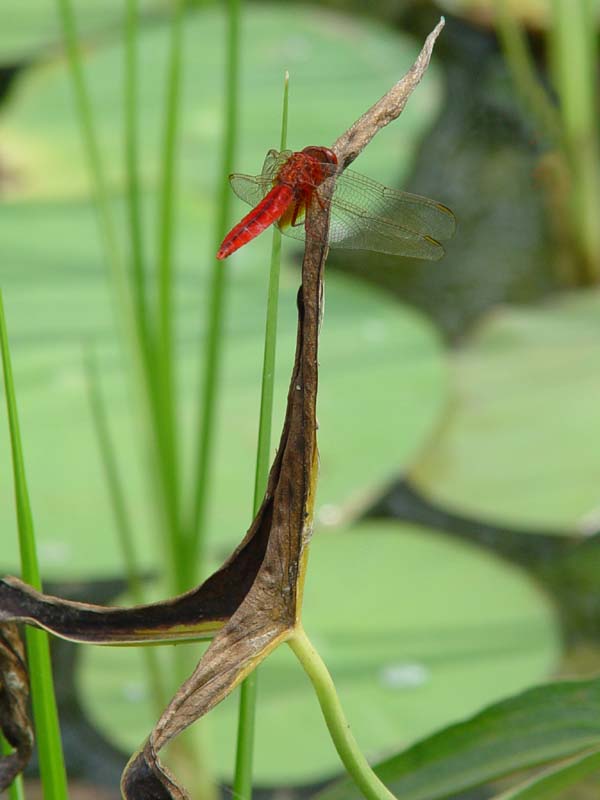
(29, 29)
(373, 419)
(382, 387)
(519, 442)
(417, 631)
(41, 146)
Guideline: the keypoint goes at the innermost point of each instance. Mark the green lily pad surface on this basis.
(28, 29)
(418, 631)
(520, 441)
(383, 373)
(382, 389)
(39, 135)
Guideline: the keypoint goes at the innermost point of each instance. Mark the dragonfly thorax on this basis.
(305, 170)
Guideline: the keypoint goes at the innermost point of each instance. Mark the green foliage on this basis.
(52, 768)
(541, 725)
(550, 782)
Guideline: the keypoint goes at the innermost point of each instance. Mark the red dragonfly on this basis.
(364, 214)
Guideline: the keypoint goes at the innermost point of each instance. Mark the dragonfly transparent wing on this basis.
(385, 221)
(252, 188)
(249, 188)
(273, 161)
(410, 213)
(352, 229)
(350, 232)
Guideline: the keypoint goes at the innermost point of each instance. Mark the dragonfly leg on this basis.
(320, 201)
(298, 208)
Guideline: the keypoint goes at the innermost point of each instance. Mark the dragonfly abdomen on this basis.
(271, 208)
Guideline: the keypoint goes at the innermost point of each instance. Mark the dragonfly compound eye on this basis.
(322, 154)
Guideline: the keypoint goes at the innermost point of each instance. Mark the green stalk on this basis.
(125, 533)
(524, 74)
(339, 729)
(213, 350)
(52, 767)
(574, 51)
(140, 347)
(242, 783)
(130, 111)
(166, 216)
(92, 149)
(16, 790)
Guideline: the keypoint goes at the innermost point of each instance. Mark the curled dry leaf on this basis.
(252, 603)
(14, 697)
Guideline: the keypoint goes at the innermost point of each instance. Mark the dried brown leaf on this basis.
(253, 602)
(14, 697)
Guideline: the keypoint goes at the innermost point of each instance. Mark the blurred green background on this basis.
(458, 411)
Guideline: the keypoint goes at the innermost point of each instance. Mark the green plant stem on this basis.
(92, 149)
(574, 51)
(16, 790)
(51, 760)
(242, 782)
(244, 754)
(213, 350)
(524, 74)
(125, 533)
(165, 273)
(140, 348)
(130, 111)
(339, 729)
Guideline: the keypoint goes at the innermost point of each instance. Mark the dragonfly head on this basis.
(322, 154)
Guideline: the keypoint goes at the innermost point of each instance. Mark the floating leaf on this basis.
(518, 445)
(39, 137)
(26, 30)
(376, 354)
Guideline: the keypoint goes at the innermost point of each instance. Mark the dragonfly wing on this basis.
(249, 188)
(351, 228)
(410, 212)
(273, 162)
(252, 188)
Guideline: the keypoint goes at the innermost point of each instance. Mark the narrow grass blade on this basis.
(165, 274)
(140, 348)
(16, 790)
(52, 768)
(242, 783)
(552, 781)
(574, 55)
(213, 350)
(124, 529)
(92, 149)
(130, 110)
(522, 66)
